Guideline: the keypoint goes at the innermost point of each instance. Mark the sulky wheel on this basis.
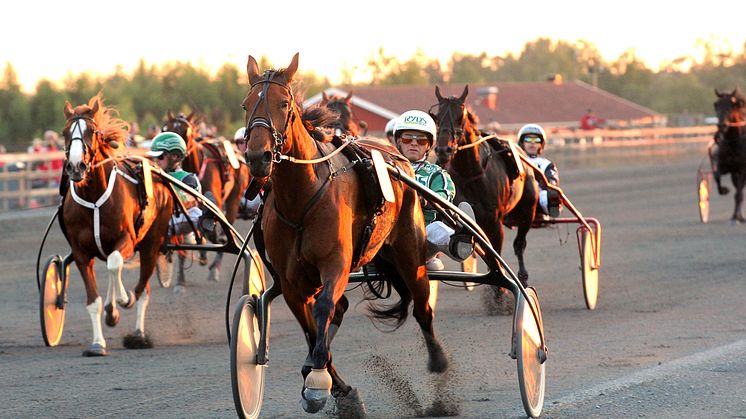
(589, 270)
(51, 302)
(530, 354)
(247, 378)
(256, 281)
(703, 194)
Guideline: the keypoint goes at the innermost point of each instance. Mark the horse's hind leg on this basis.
(148, 257)
(180, 276)
(738, 182)
(116, 290)
(214, 273)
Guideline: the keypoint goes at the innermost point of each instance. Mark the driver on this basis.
(532, 138)
(168, 151)
(414, 134)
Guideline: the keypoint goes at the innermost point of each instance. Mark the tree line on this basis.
(683, 86)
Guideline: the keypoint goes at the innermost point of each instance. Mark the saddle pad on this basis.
(231, 154)
(383, 175)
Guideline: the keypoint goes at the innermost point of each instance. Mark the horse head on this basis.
(185, 126)
(90, 135)
(452, 119)
(729, 109)
(347, 122)
(270, 112)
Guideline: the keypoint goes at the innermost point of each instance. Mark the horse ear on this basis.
(292, 68)
(437, 93)
(349, 96)
(96, 106)
(252, 70)
(68, 110)
(191, 115)
(324, 97)
(463, 95)
(170, 115)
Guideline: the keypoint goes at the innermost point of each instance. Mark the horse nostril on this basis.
(267, 157)
(81, 166)
(449, 149)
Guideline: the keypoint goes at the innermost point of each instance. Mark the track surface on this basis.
(667, 339)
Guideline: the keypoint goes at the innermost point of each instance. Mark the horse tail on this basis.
(392, 316)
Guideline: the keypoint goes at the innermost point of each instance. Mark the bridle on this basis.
(727, 122)
(457, 133)
(77, 134)
(278, 138)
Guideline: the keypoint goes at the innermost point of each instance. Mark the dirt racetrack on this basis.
(667, 338)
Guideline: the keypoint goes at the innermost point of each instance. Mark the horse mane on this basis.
(108, 123)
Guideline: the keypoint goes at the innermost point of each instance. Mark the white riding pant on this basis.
(179, 224)
(544, 201)
(438, 238)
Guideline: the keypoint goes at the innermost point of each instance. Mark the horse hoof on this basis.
(523, 277)
(131, 300)
(724, 190)
(438, 363)
(202, 260)
(314, 399)
(179, 289)
(95, 349)
(350, 405)
(137, 340)
(112, 316)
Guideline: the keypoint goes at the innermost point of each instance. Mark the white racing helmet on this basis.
(240, 134)
(532, 129)
(390, 126)
(416, 121)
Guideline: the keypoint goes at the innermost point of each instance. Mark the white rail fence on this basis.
(31, 180)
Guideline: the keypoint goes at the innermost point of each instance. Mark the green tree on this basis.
(15, 120)
(46, 108)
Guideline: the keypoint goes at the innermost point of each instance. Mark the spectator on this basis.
(590, 121)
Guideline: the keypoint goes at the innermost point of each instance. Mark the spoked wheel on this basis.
(703, 193)
(469, 265)
(530, 354)
(256, 283)
(590, 272)
(51, 306)
(247, 378)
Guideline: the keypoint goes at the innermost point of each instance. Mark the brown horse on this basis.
(730, 154)
(483, 177)
(347, 123)
(220, 181)
(314, 220)
(104, 215)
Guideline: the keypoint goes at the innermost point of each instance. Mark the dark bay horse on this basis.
(730, 153)
(219, 179)
(483, 177)
(347, 122)
(104, 215)
(313, 222)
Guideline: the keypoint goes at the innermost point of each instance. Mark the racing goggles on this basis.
(420, 138)
(532, 139)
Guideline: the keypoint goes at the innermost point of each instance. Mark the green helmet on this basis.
(167, 142)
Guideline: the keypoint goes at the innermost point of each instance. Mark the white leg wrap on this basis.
(142, 308)
(94, 310)
(115, 263)
(543, 201)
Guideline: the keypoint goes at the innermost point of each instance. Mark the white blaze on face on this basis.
(76, 146)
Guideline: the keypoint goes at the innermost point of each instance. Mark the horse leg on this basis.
(94, 307)
(738, 182)
(714, 152)
(116, 290)
(214, 273)
(318, 383)
(519, 246)
(497, 299)
(148, 260)
(180, 276)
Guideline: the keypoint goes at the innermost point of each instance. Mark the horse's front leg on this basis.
(115, 289)
(738, 181)
(94, 307)
(149, 252)
(318, 383)
(519, 247)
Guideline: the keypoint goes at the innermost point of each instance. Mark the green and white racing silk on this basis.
(438, 180)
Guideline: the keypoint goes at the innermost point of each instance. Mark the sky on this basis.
(52, 39)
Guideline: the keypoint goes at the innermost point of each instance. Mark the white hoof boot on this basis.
(317, 390)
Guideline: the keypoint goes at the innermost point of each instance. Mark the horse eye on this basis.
(284, 104)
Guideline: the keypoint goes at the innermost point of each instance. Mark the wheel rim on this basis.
(247, 378)
(703, 192)
(531, 371)
(590, 274)
(52, 317)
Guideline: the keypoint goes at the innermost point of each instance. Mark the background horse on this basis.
(730, 153)
(347, 123)
(219, 180)
(104, 215)
(314, 222)
(483, 178)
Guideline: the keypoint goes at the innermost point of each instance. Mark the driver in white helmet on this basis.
(247, 208)
(532, 139)
(414, 134)
(390, 130)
